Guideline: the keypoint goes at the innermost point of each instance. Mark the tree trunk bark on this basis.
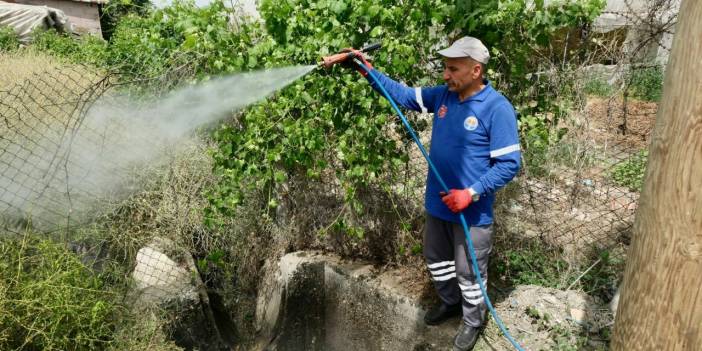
(661, 302)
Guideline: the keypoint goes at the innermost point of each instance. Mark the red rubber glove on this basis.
(457, 200)
(361, 57)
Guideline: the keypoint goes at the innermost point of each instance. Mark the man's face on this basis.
(460, 73)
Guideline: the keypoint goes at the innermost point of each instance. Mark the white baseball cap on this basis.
(467, 47)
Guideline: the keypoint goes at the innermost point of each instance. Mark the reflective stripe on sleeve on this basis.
(504, 150)
(418, 97)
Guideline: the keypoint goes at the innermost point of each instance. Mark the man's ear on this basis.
(477, 71)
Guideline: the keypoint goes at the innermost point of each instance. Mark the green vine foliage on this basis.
(646, 83)
(331, 123)
(328, 119)
(332, 119)
(115, 10)
(182, 42)
(85, 50)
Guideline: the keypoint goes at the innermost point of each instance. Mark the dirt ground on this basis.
(613, 121)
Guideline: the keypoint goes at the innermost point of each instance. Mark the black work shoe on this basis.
(442, 312)
(465, 338)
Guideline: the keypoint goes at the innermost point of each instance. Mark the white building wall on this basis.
(83, 16)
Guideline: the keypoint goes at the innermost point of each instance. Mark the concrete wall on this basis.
(638, 20)
(83, 16)
(641, 21)
(309, 301)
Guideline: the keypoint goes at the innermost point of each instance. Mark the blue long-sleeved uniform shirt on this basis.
(474, 144)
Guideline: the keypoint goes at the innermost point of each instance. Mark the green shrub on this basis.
(8, 39)
(187, 42)
(600, 280)
(527, 37)
(330, 123)
(598, 87)
(532, 263)
(329, 118)
(630, 173)
(646, 83)
(85, 50)
(115, 10)
(52, 301)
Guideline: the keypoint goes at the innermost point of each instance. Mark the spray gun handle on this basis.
(371, 47)
(329, 61)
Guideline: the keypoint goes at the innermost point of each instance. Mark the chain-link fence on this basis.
(41, 117)
(72, 153)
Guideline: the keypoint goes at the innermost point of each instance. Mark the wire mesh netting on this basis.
(41, 118)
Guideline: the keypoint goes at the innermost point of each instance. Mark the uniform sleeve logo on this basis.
(471, 123)
(442, 111)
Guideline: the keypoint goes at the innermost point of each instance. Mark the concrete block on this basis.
(318, 302)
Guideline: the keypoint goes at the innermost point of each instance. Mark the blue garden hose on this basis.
(471, 250)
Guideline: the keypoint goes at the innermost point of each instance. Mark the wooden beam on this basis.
(661, 299)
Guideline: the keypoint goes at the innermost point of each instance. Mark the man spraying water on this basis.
(475, 150)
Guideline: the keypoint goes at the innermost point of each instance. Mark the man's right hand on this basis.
(457, 200)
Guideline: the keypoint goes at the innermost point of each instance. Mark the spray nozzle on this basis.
(329, 61)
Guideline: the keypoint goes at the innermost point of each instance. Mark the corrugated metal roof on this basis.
(101, 2)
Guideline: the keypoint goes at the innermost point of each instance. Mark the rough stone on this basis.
(577, 315)
(159, 278)
(532, 312)
(166, 277)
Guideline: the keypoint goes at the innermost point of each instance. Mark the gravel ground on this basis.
(549, 319)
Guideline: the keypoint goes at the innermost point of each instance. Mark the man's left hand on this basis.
(457, 200)
(361, 57)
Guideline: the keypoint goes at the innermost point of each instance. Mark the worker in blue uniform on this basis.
(475, 147)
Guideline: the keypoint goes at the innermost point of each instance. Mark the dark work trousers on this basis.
(451, 269)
